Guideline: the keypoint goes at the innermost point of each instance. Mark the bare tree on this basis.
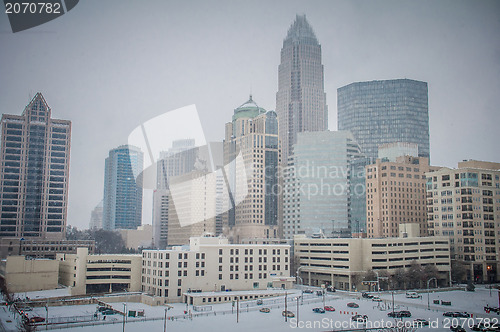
(458, 271)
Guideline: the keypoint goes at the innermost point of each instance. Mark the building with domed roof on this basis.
(252, 134)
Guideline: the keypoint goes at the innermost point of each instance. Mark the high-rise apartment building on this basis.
(316, 184)
(301, 99)
(395, 194)
(253, 133)
(34, 172)
(464, 205)
(380, 112)
(122, 205)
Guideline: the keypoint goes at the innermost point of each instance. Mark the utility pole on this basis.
(237, 309)
(124, 314)
(298, 308)
(286, 313)
(428, 293)
(165, 321)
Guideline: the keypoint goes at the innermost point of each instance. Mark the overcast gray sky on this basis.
(109, 66)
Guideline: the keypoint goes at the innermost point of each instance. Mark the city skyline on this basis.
(84, 69)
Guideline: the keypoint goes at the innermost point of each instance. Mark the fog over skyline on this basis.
(109, 66)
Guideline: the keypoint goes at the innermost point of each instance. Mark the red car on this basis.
(37, 319)
(329, 308)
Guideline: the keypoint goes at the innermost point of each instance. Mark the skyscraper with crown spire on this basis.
(301, 99)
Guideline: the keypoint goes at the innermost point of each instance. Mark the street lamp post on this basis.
(286, 313)
(124, 314)
(47, 315)
(428, 293)
(298, 308)
(165, 321)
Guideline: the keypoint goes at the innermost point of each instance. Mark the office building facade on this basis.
(395, 194)
(342, 263)
(122, 204)
(34, 173)
(316, 195)
(301, 99)
(211, 264)
(389, 111)
(253, 134)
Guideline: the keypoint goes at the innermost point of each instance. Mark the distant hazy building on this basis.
(464, 205)
(380, 112)
(395, 194)
(301, 99)
(139, 238)
(178, 160)
(96, 217)
(390, 151)
(253, 133)
(192, 210)
(316, 184)
(34, 173)
(122, 206)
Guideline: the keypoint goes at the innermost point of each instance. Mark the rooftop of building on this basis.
(248, 109)
(301, 31)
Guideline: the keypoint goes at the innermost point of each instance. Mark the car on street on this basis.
(421, 322)
(413, 295)
(376, 299)
(331, 289)
(478, 327)
(359, 318)
(265, 310)
(37, 319)
(287, 313)
(329, 308)
(308, 291)
(319, 310)
(260, 302)
(399, 314)
(352, 305)
(460, 314)
(457, 329)
(367, 295)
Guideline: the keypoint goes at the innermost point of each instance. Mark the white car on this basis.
(413, 295)
(376, 299)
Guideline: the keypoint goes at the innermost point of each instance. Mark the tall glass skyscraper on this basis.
(301, 99)
(316, 193)
(122, 208)
(34, 172)
(380, 112)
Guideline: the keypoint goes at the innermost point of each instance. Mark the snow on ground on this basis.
(44, 294)
(254, 320)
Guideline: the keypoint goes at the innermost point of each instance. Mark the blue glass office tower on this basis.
(122, 195)
(380, 112)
